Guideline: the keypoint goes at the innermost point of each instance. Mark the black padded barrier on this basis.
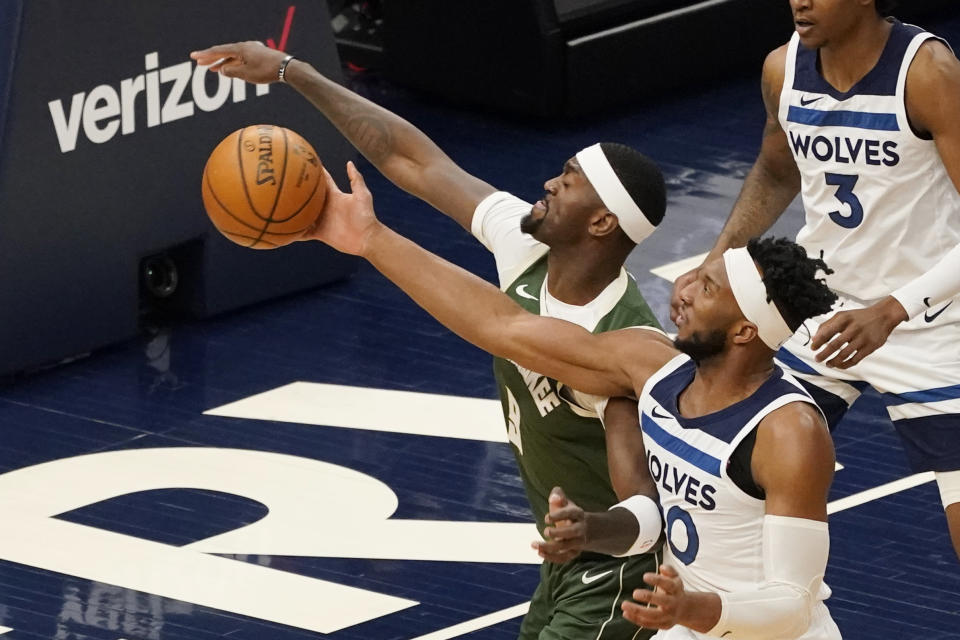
(105, 133)
(560, 58)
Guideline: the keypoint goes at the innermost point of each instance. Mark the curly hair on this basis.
(791, 279)
(886, 7)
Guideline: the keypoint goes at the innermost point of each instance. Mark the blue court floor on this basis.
(368, 434)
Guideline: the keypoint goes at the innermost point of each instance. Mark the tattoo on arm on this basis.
(371, 135)
(771, 184)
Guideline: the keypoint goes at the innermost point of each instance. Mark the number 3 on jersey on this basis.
(513, 421)
(845, 184)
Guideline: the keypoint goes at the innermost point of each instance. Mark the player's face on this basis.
(562, 216)
(822, 22)
(707, 310)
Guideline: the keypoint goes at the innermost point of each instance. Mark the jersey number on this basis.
(688, 554)
(513, 422)
(845, 184)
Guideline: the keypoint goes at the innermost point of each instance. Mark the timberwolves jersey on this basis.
(557, 437)
(714, 529)
(878, 201)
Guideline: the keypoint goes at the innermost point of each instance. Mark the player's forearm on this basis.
(937, 285)
(397, 148)
(611, 532)
(464, 303)
(765, 194)
(481, 314)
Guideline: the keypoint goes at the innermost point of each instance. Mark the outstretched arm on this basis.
(613, 363)
(773, 182)
(403, 153)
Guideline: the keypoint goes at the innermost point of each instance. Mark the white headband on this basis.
(594, 164)
(751, 295)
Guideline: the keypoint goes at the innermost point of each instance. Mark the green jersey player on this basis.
(561, 257)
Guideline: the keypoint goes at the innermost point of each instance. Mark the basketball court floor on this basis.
(333, 464)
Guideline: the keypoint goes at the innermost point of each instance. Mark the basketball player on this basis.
(862, 121)
(741, 454)
(562, 257)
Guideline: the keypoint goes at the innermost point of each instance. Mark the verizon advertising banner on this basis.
(106, 126)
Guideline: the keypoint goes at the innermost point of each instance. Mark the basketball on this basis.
(263, 185)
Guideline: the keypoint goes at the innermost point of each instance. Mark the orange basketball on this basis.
(262, 186)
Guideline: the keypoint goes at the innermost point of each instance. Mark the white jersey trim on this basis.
(903, 118)
(496, 224)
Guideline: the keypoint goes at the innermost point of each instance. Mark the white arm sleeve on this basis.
(496, 224)
(794, 560)
(937, 285)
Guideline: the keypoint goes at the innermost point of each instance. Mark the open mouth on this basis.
(541, 207)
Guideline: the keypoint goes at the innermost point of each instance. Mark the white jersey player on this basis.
(714, 512)
(861, 121)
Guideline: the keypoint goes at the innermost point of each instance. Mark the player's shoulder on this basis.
(774, 72)
(933, 87)
(795, 426)
(935, 61)
(776, 60)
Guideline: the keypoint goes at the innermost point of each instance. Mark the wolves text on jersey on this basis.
(670, 479)
(845, 150)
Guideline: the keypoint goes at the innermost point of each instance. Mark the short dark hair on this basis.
(790, 277)
(641, 177)
(886, 7)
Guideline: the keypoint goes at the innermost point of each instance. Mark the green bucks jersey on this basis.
(556, 435)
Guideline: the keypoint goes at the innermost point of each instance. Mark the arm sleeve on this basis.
(935, 286)
(794, 560)
(496, 224)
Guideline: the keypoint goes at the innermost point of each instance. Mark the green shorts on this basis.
(580, 600)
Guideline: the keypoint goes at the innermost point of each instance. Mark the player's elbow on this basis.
(778, 610)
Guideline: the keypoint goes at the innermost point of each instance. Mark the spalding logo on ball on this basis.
(263, 186)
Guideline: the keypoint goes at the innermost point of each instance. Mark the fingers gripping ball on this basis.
(263, 186)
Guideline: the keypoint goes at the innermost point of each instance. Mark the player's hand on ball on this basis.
(251, 61)
(347, 219)
(567, 535)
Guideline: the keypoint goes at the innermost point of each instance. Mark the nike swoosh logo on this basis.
(804, 102)
(928, 317)
(522, 292)
(660, 415)
(588, 579)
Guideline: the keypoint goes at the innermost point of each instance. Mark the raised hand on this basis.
(251, 61)
(347, 219)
